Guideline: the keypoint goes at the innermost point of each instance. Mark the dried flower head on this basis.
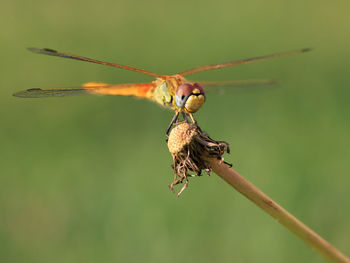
(188, 144)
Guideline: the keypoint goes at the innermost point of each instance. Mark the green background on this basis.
(85, 179)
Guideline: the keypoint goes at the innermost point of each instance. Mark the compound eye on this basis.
(198, 89)
(182, 94)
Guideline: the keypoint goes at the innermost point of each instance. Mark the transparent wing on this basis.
(39, 93)
(239, 83)
(52, 52)
(129, 89)
(242, 61)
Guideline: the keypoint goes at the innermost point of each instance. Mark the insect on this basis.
(171, 91)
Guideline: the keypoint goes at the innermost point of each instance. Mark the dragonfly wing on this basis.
(39, 93)
(52, 52)
(241, 61)
(239, 83)
(130, 89)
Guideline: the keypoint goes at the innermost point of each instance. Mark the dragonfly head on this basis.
(190, 97)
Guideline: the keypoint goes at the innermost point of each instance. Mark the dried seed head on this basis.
(181, 136)
(188, 145)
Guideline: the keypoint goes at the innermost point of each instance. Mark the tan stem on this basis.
(276, 211)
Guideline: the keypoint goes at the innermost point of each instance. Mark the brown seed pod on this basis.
(188, 144)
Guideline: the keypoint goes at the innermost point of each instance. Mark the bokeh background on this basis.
(85, 179)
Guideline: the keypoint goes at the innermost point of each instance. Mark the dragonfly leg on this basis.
(192, 119)
(174, 120)
(184, 116)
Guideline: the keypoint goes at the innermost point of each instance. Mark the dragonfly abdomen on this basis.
(138, 89)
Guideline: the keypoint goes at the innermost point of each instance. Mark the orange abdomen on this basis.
(140, 90)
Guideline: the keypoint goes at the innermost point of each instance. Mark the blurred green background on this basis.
(85, 179)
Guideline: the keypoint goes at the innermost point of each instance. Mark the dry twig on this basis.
(194, 151)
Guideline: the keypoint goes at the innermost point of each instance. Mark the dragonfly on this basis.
(174, 92)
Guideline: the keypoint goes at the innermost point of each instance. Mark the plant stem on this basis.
(276, 211)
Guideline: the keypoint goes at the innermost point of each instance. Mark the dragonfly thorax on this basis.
(190, 97)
